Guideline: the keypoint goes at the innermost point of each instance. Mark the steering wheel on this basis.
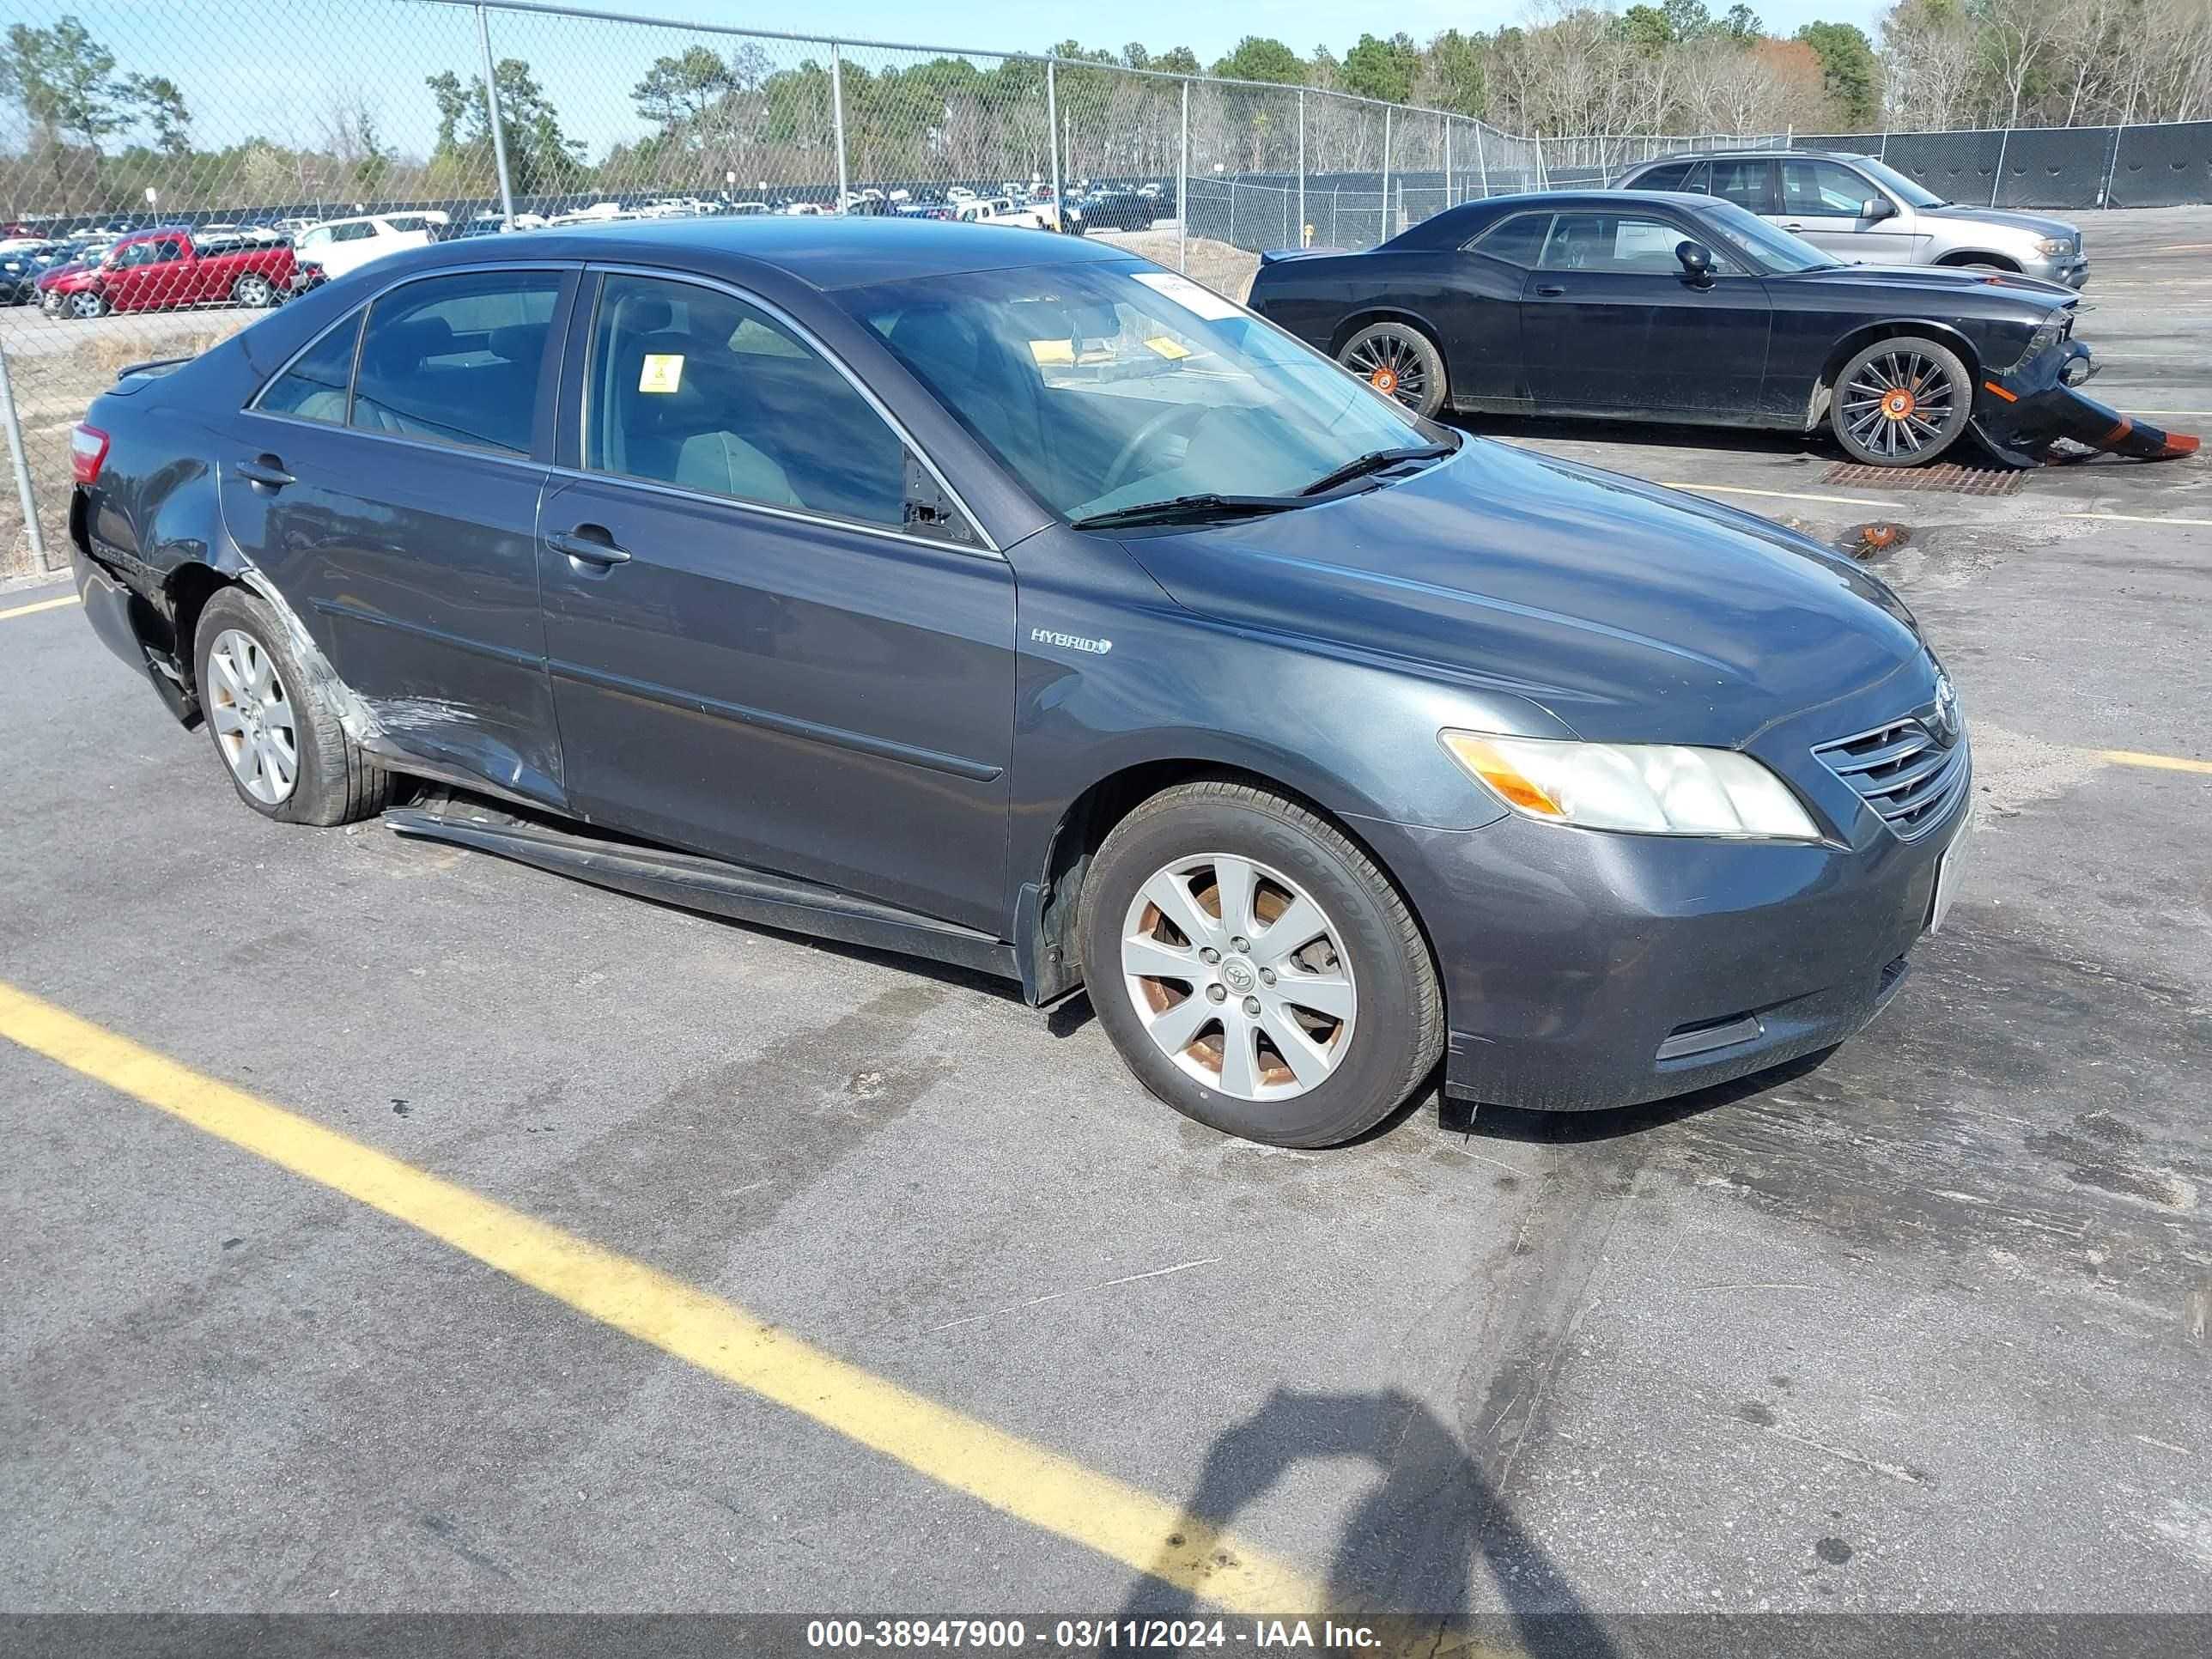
(1160, 424)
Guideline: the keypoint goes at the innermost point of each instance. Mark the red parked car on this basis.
(168, 268)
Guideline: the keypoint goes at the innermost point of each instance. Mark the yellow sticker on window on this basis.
(1052, 352)
(661, 373)
(1169, 349)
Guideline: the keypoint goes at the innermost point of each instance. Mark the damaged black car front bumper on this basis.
(2025, 412)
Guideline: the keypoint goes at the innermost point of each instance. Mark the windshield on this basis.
(1904, 189)
(1103, 388)
(1769, 245)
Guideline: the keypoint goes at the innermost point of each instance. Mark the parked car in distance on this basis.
(1120, 210)
(1640, 306)
(1863, 211)
(1058, 618)
(169, 269)
(21, 264)
(342, 245)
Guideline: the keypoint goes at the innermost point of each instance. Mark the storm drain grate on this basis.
(1944, 476)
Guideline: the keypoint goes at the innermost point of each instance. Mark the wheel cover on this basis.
(252, 717)
(1239, 977)
(1899, 404)
(253, 290)
(1391, 362)
(84, 305)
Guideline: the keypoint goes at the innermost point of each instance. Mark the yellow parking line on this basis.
(2135, 517)
(1778, 494)
(997, 1468)
(2158, 762)
(42, 604)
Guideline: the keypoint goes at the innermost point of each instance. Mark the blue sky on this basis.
(248, 68)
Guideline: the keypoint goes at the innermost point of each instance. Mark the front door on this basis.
(752, 656)
(1823, 203)
(395, 506)
(1610, 320)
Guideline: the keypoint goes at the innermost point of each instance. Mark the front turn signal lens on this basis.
(1652, 789)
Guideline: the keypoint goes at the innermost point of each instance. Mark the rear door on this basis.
(753, 654)
(1481, 312)
(387, 482)
(1612, 321)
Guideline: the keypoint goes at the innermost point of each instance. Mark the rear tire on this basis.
(1335, 1028)
(1399, 362)
(1901, 402)
(262, 710)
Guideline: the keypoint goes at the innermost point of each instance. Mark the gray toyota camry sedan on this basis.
(1011, 601)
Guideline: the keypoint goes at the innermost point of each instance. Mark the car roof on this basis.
(823, 251)
(1750, 155)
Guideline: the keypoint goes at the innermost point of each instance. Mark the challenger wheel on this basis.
(276, 733)
(1399, 362)
(1901, 402)
(1255, 970)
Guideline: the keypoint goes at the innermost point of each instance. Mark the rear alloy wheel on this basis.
(1255, 970)
(253, 290)
(1399, 362)
(85, 304)
(1901, 402)
(277, 734)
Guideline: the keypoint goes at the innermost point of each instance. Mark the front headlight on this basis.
(1653, 789)
(2052, 246)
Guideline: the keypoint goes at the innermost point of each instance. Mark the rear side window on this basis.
(1746, 183)
(314, 387)
(1517, 240)
(456, 358)
(1669, 177)
(692, 387)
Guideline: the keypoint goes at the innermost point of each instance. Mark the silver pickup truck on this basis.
(1864, 212)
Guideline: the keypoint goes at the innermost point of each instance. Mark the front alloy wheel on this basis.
(1254, 968)
(85, 305)
(1902, 403)
(1238, 977)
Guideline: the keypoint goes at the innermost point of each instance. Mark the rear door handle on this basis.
(266, 471)
(1547, 292)
(590, 543)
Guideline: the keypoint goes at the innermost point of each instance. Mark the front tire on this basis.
(86, 306)
(1901, 402)
(1399, 362)
(1255, 970)
(253, 291)
(275, 732)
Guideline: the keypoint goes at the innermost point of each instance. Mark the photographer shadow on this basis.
(1408, 1555)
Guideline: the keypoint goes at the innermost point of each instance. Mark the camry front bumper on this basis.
(2022, 413)
(1585, 969)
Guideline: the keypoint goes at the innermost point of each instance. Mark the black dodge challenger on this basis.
(1662, 306)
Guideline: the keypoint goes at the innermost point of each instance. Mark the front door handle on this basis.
(1794, 225)
(589, 544)
(266, 471)
(1548, 292)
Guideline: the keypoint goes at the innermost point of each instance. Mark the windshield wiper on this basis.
(1374, 461)
(1187, 509)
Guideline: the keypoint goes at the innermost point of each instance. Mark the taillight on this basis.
(87, 450)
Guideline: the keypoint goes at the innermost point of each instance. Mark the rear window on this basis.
(1669, 177)
(1517, 240)
(314, 387)
(456, 358)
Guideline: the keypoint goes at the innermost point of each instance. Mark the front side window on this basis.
(456, 358)
(1822, 189)
(692, 387)
(314, 387)
(1615, 242)
(1108, 386)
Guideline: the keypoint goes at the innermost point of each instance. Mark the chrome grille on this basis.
(1900, 771)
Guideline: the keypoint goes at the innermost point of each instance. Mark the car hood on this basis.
(1624, 611)
(2029, 221)
(64, 276)
(1943, 285)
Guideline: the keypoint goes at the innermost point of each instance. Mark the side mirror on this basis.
(1877, 207)
(1697, 260)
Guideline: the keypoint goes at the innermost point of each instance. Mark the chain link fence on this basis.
(167, 172)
